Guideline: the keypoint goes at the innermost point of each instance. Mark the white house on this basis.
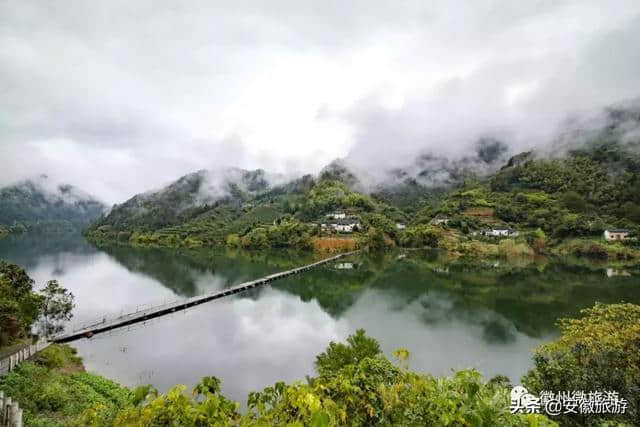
(344, 266)
(336, 215)
(616, 234)
(612, 272)
(502, 232)
(346, 226)
(400, 226)
(342, 225)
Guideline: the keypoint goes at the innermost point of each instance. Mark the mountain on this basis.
(578, 193)
(585, 180)
(189, 197)
(429, 176)
(39, 202)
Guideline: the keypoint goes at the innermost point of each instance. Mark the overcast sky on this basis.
(120, 97)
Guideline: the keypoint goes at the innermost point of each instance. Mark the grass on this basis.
(54, 390)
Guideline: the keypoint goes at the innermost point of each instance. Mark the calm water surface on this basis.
(449, 314)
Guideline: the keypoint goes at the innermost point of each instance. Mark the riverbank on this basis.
(53, 388)
(455, 243)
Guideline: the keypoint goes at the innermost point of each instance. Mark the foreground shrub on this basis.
(357, 385)
(58, 356)
(598, 352)
(57, 397)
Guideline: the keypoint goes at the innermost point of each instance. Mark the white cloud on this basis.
(120, 97)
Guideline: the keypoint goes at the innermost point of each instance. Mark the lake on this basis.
(450, 314)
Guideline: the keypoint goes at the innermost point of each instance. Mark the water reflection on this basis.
(448, 313)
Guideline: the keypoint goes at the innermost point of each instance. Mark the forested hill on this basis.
(187, 198)
(38, 203)
(588, 181)
(578, 190)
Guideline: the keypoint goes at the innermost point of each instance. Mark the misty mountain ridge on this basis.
(41, 201)
(618, 123)
(408, 187)
(192, 194)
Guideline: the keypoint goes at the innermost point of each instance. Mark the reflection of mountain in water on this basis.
(531, 297)
(502, 301)
(26, 249)
(179, 270)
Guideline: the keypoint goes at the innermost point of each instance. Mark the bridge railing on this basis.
(114, 317)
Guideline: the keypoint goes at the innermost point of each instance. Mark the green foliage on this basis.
(356, 385)
(27, 206)
(19, 305)
(359, 386)
(375, 240)
(421, 236)
(574, 196)
(53, 391)
(597, 249)
(204, 407)
(338, 355)
(57, 356)
(599, 351)
(574, 202)
(329, 194)
(537, 240)
(285, 233)
(233, 241)
(255, 239)
(56, 307)
(381, 222)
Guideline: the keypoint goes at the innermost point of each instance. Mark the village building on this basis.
(502, 232)
(616, 234)
(344, 266)
(400, 226)
(347, 225)
(336, 215)
(613, 272)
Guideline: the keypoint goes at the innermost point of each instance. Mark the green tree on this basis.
(19, 305)
(597, 352)
(375, 240)
(421, 236)
(358, 347)
(56, 308)
(233, 240)
(574, 202)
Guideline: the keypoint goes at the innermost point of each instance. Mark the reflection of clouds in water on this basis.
(247, 343)
(208, 283)
(459, 339)
(438, 307)
(101, 286)
(256, 338)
